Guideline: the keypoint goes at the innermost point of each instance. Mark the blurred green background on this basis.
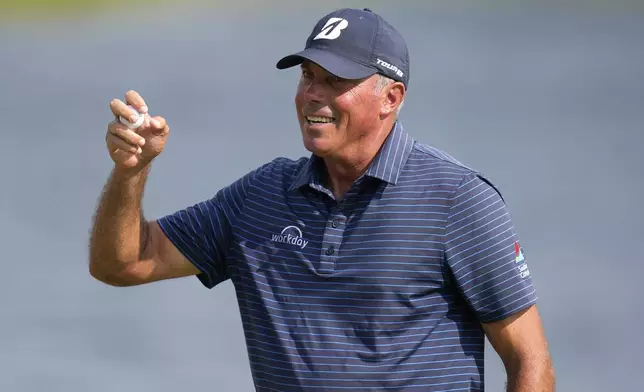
(29, 9)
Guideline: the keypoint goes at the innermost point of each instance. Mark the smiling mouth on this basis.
(319, 120)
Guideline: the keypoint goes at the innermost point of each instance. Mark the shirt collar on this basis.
(386, 165)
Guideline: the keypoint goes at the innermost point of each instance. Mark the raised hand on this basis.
(134, 148)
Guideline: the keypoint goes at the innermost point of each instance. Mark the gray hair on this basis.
(383, 82)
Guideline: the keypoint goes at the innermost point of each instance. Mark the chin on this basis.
(318, 139)
(316, 145)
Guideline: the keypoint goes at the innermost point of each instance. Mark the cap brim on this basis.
(337, 65)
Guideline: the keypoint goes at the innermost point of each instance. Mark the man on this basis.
(379, 263)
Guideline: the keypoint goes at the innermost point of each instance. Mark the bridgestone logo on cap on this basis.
(391, 67)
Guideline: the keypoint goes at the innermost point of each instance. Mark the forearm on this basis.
(119, 234)
(531, 375)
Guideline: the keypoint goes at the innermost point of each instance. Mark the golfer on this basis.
(377, 263)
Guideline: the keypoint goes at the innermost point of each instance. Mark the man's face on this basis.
(335, 113)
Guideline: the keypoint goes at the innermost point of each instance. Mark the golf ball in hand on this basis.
(133, 125)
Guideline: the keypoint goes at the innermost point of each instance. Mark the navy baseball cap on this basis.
(354, 44)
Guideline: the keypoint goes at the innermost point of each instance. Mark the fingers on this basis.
(115, 143)
(133, 98)
(119, 108)
(158, 125)
(124, 157)
(129, 136)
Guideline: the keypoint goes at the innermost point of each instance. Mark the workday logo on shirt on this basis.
(291, 235)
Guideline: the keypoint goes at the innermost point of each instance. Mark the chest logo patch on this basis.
(291, 235)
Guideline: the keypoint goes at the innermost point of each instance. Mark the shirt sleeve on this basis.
(202, 231)
(483, 252)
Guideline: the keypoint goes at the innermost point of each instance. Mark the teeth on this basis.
(319, 119)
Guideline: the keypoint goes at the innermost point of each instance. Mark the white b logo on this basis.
(332, 28)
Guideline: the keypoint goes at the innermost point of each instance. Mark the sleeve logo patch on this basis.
(520, 260)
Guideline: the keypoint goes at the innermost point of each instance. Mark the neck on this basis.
(345, 168)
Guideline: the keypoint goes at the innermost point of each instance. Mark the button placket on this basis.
(331, 240)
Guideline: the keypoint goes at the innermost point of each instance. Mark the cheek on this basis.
(345, 108)
(298, 94)
(300, 90)
(356, 108)
(352, 115)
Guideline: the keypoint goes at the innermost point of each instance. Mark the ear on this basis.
(392, 98)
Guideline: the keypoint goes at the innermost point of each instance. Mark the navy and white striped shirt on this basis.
(384, 290)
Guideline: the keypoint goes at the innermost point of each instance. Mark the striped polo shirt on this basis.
(382, 290)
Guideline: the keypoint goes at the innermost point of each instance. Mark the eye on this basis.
(306, 74)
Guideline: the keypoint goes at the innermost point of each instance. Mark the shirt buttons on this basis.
(330, 250)
(335, 223)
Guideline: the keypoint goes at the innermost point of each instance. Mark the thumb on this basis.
(158, 126)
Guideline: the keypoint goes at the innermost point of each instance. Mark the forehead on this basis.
(317, 69)
(312, 66)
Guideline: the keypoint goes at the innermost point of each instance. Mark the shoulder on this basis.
(438, 168)
(278, 171)
(274, 177)
(429, 155)
(266, 180)
(286, 166)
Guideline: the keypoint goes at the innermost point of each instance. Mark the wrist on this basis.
(134, 174)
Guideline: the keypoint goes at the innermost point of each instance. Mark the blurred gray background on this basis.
(546, 98)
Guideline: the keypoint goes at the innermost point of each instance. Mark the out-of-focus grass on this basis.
(65, 9)
(49, 9)
(53, 5)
